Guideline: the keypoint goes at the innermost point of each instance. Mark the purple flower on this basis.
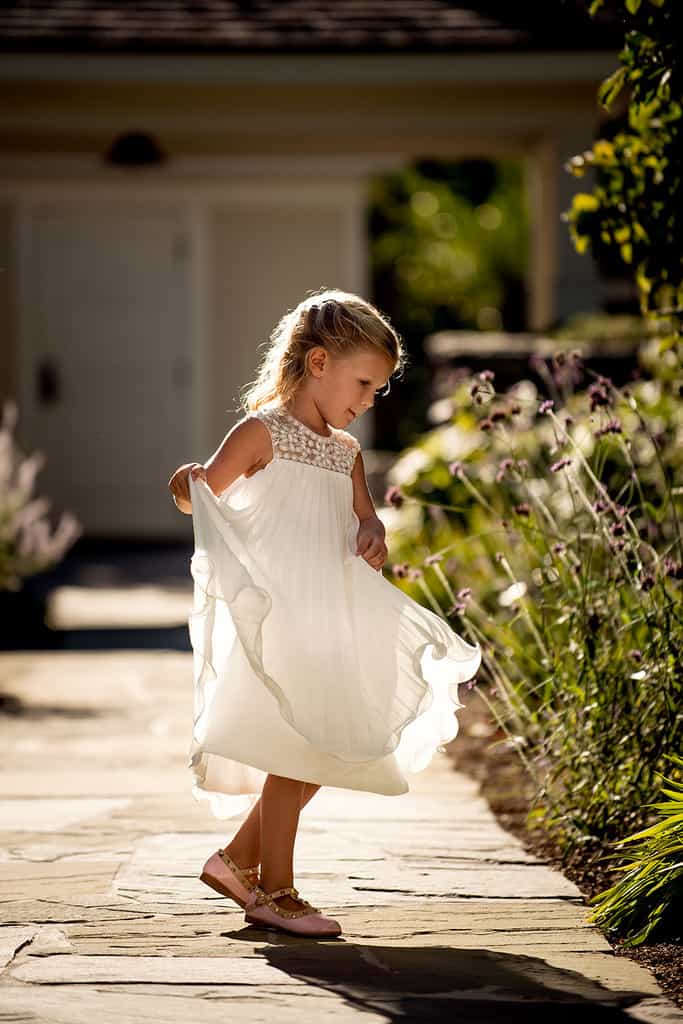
(464, 593)
(456, 468)
(636, 654)
(503, 467)
(400, 569)
(546, 405)
(611, 427)
(433, 559)
(522, 509)
(557, 466)
(486, 375)
(599, 394)
(672, 568)
(394, 496)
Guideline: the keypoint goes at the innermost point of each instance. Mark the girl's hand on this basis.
(179, 484)
(370, 542)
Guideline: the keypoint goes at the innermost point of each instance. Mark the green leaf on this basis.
(655, 829)
(632, 6)
(611, 87)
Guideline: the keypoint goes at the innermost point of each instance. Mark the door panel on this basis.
(107, 360)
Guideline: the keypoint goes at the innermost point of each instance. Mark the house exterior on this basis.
(174, 177)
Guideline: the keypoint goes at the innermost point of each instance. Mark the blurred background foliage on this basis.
(448, 250)
(632, 220)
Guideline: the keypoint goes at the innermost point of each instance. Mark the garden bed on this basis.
(508, 790)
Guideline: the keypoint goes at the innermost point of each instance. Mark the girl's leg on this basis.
(281, 801)
(245, 846)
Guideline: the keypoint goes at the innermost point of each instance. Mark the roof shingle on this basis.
(277, 26)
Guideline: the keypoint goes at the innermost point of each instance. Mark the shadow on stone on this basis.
(442, 984)
(11, 705)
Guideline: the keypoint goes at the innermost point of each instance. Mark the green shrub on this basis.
(563, 517)
(632, 218)
(647, 902)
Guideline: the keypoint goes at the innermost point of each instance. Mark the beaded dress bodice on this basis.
(292, 439)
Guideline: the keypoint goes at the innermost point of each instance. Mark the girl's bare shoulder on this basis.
(253, 431)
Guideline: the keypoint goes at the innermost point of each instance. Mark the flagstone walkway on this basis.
(445, 916)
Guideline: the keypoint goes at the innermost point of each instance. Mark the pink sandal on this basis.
(262, 909)
(222, 874)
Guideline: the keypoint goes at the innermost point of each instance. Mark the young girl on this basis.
(311, 668)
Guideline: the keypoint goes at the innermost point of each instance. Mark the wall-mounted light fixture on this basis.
(135, 149)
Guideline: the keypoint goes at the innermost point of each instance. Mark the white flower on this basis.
(512, 593)
(405, 469)
(456, 443)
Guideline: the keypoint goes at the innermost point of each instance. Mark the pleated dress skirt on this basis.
(307, 662)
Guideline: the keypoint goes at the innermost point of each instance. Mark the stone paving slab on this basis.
(48, 814)
(102, 917)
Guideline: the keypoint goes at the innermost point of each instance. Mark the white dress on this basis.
(308, 662)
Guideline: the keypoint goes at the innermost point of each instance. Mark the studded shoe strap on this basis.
(289, 891)
(240, 872)
(269, 897)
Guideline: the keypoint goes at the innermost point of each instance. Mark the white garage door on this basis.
(106, 358)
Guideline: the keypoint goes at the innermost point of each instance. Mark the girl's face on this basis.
(346, 386)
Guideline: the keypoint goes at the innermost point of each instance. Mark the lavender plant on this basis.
(563, 516)
(27, 545)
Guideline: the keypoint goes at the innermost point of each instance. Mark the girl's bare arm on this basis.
(243, 450)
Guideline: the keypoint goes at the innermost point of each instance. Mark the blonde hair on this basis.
(341, 322)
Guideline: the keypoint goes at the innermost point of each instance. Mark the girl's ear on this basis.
(316, 358)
